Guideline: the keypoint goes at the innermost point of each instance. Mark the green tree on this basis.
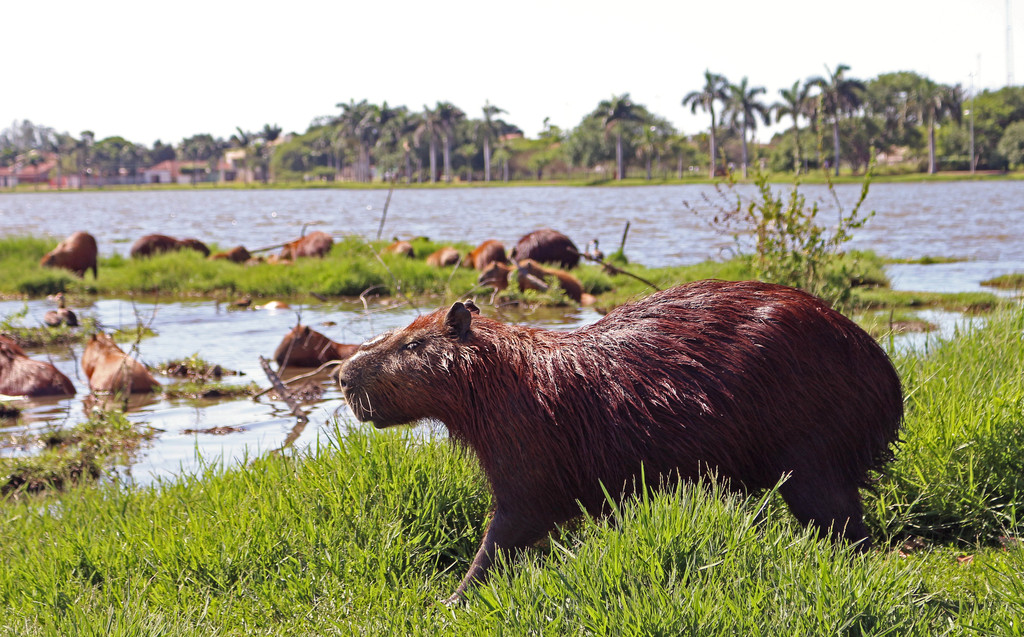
(839, 95)
(489, 130)
(1011, 144)
(938, 102)
(714, 91)
(616, 112)
(448, 116)
(357, 124)
(743, 108)
(794, 104)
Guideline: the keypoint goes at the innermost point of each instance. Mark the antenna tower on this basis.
(1009, 46)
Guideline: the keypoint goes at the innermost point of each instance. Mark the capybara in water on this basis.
(237, 254)
(547, 246)
(109, 369)
(444, 257)
(77, 253)
(400, 248)
(62, 315)
(23, 376)
(305, 347)
(314, 244)
(151, 244)
(485, 254)
(533, 276)
(748, 381)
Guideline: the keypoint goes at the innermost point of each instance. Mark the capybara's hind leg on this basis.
(834, 511)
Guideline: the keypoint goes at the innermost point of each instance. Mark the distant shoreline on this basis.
(781, 178)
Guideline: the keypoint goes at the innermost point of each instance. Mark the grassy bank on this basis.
(353, 268)
(362, 534)
(895, 175)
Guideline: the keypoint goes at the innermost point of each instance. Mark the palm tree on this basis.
(356, 123)
(617, 111)
(714, 91)
(839, 95)
(938, 102)
(793, 104)
(743, 107)
(430, 125)
(489, 130)
(448, 115)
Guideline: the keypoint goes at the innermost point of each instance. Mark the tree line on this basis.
(831, 119)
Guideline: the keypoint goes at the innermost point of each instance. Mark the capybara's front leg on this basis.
(503, 534)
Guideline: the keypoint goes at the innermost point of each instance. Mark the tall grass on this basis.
(364, 534)
(960, 474)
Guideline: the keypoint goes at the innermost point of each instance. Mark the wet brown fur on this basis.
(444, 257)
(237, 254)
(401, 248)
(77, 253)
(747, 380)
(151, 244)
(547, 246)
(109, 369)
(533, 276)
(305, 347)
(486, 253)
(23, 376)
(314, 244)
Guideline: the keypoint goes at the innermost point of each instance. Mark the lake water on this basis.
(982, 222)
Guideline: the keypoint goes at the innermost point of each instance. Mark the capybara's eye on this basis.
(411, 345)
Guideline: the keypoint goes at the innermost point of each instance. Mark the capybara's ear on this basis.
(458, 319)
(471, 306)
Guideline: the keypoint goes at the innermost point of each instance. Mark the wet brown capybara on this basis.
(533, 276)
(314, 244)
(745, 380)
(109, 369)
(77, 253)
(400, 248)
(237, 254)
(305, 347)
(23, 376)
(547, 246)
(486, 253)
(150, 244)
(62, 315)
(444, 257)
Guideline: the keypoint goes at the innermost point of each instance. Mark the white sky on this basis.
(168, 70)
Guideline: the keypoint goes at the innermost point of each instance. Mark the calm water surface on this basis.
(982, 222)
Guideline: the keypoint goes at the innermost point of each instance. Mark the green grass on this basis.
(362, 534)
(1013, 281)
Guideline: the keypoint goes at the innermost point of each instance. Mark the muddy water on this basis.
(980, 221)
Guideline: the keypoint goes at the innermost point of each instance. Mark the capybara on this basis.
(237, 254)
(547, 246)
(23, 376)
(77, 253)
(748, 381)
(401, 248)
(444, 257)
(485, 254)
(151, 244)
(533, 276)
(109, 369)
(305, 347)
(62, 315)
(314, 244)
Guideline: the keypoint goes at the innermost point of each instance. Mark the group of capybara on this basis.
(750, 382)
